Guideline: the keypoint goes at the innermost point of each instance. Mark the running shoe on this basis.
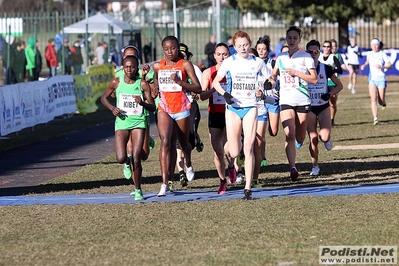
(375, 121)
(247, 194)
(315, 171)
(241, 159)
(263, 163)
(353, 91)
(190, 173)
(294, 174)
(349, 86)
(256, 183)
(223, 187)
(384, 106)
(164, 190)
(328, 145)
(298, 144)
(151, 143)
(127, 170)
(240, 178)
(183, 179)
(138, 194)
(232, 175)
(171, 187)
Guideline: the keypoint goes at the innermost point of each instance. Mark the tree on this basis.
(340, 11)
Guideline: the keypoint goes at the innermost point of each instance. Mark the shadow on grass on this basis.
(330, 177)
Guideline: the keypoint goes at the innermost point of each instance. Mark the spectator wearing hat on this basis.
(30, 54)
(279, 45)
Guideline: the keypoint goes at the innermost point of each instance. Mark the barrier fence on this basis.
(27, 104)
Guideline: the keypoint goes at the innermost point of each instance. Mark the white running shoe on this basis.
(164, 189)
(349, 86)
(353, 91)
(190, 173)
(328, 145)
(315, 171)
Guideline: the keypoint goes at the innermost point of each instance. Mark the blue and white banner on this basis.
(27, 104)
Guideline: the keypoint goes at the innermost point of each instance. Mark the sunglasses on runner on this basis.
(313, 51)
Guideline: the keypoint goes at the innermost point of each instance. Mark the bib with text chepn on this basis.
(217, 98)
(128, 104)
(288, 82)
(166, 84)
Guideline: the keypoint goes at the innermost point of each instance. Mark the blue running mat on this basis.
(184, 195)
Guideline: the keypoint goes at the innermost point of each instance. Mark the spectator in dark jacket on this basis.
(76, 58)
(209, 51)
(38, 62)
(18, 63)
(67, 58)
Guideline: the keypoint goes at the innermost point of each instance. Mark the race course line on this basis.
(184, 195)
(368, 147)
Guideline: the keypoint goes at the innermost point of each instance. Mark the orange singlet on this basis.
(172, 97)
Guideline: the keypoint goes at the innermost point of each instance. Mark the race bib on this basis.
(288, 82)
(128, 104)
(217, 98)
(165, 83)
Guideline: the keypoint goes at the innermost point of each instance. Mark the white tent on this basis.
(99, 24)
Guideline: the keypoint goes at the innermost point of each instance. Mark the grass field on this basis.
(267, 231)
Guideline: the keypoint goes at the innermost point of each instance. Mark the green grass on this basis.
(267, 231)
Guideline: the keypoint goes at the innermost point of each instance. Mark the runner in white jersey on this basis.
(353, 53)
(334, 98)
(241, 71)
(296, 68)
(268, 110)
(378, 61)
(320, 95)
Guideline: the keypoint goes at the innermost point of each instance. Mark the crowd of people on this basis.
(247, 91)
(23, 61)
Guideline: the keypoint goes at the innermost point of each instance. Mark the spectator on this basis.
(38, 62)
(30, 54)
(229, 42)
(58, 40)
(9, 77)
(101, 51)
(113, 53)
(76, 58)
(82, 44)
(209, 51)
(66, 68)
(51, 57)
(3, 44)
(18, 63)
(279, 45)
